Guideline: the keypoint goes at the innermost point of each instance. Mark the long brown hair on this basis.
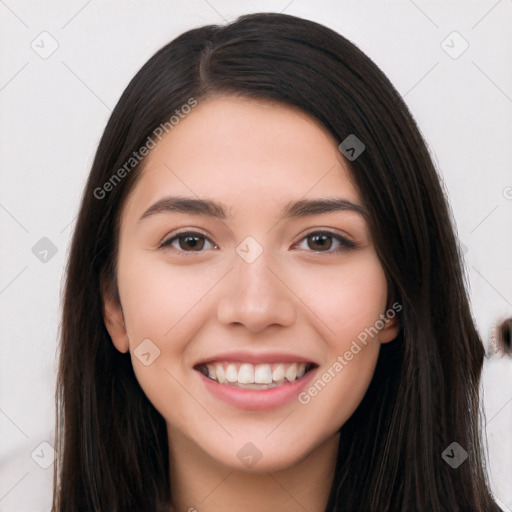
(111, 441)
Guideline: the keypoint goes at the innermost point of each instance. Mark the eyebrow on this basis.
(292, 209)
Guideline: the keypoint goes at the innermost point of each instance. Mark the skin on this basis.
(296, 298)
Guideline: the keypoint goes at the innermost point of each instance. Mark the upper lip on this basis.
(256, 358)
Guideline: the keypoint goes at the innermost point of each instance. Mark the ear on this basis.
(391, 325)
(114, 319)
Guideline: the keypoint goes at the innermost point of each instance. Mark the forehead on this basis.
(242, 152)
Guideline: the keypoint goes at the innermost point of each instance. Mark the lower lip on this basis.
(257, 399)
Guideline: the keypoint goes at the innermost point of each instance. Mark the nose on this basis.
(256, 296)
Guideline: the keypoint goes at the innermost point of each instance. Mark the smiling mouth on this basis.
(254, 376)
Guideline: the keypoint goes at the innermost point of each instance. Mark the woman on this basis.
(264, 306)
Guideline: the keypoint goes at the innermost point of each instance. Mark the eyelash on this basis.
(344, 244)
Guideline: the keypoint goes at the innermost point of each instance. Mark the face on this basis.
(256, 317)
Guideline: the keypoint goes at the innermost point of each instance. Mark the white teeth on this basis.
(278, 373)
(211, 371)
(221, 374)
(301, 370)
(231, 373)
(291, 372)
(246, 374)
(257, 386)
(262, 374)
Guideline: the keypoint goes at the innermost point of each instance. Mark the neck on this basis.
(202, 484)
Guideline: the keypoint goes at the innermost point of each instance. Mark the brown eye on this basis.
(319, 242)
(324, 241)
(196, 243)
(187, 242)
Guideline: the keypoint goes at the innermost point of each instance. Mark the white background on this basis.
(53, 112)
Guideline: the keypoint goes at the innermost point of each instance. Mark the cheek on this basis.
(157, 298)
(347, 298)
(339, 388)
(162, 304)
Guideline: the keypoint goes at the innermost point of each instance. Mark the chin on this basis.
(258, 454)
